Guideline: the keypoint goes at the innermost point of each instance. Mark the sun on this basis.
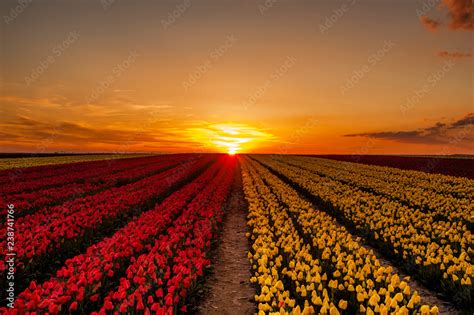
(230, 138)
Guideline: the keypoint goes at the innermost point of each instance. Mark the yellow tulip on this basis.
(342, 304)
(406, 291)
(425, 310)
(333, 310)
(434, 310)
(398, 297)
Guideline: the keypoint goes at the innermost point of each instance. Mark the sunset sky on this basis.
(352, 77)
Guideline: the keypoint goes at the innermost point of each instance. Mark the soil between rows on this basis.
(227, 290)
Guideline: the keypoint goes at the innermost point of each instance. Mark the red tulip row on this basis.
(27, 202)
(78, 222)
(49, 214)
(43, 171)
(160, 280)
(84, 276)
(74, 173)
(46, 171)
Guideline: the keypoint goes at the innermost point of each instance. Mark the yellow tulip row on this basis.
(304, 262)
(399, 188)
(443, 184)
(439, 251)
(273, 239)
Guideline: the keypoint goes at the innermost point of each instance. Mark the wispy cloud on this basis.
(73, 132)
(429, 23)
(54, 102)
(454, 54)
(438, 133)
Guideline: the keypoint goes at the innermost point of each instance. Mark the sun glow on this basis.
(230, 138)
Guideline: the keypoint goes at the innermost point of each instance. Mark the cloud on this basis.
(436, 128)
(430, 24)
(158, 107)
(459, 15)
(123, 90)
(53, 102)
(466, 121)
(438, 133)
(454, 54)
(25, 121)
(24, 129)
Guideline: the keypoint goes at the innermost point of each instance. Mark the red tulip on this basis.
(140, 305)
(94, 298)
(159, 293)
(73, 306)
(53, 308)
(108, 305)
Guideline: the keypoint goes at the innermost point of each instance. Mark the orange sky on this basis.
(352, 77)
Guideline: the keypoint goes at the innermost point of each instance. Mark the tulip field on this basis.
(309, 253)
(138, 235)
(24, 160)
(462, 166)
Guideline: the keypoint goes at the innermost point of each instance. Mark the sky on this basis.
(274, 76)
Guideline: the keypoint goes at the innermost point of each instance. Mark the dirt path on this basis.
(228, 290)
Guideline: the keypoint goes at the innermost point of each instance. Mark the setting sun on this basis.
(230, 137)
